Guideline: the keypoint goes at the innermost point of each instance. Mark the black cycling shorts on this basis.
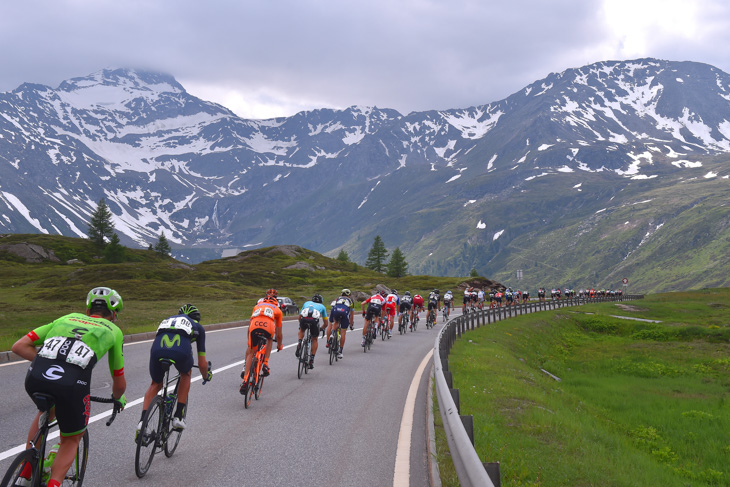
(175, 347)
(404, 307)
(372, 311)
(70, 386)
(432, 305)
(312, 324)
(341, 316)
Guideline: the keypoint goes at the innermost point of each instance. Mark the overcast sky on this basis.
(268, 58)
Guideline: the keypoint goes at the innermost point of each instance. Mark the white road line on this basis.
(402, 473)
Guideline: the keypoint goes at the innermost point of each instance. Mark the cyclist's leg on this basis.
(67, 449)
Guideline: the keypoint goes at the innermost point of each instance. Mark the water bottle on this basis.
(169, 403)
(48, 461)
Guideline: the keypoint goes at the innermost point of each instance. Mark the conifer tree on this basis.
(343, 256)
(163, 246)
(114, 251)
(377, 255)
(397, 267)
(101, 225)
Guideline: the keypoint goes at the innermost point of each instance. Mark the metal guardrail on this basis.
(460, 429)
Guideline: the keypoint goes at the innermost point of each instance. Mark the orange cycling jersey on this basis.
(265, 317)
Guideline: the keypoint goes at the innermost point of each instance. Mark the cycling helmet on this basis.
(272, 293)
(383, 293)
(436, 291)
(317, 298)
(408, 293)
(346, 292)
(110, 297)
(271, 300)
(394, 291)
(191, 311)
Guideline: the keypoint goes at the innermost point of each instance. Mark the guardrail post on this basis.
(492, 469)
(455, 397)
(448, 376)
(468, 422)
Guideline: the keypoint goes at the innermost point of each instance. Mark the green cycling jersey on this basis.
(99, 334)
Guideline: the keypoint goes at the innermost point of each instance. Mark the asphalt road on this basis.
(338, 425)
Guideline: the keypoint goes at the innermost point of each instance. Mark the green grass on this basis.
(153, 287)
(638, 403)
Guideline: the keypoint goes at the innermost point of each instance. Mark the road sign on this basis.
(625, 281)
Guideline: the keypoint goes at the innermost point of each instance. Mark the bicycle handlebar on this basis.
(109, 400)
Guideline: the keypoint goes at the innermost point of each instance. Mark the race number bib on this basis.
(177, 323)
(51, 346)
(267, 312)
(80, 354)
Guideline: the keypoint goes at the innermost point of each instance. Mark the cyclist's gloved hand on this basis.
(279, 347)
(208, 376)
(122, 402)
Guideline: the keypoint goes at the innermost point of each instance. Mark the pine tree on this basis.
(397, 267)
(377, 255)
(101, 225)
(163, 246)
(114, 251)
(343, 257)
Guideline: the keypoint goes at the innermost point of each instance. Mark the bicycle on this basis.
(370, 337)
(255, 380)
(306, 348)
(36, 454)
(157, 433)
(335, 343)
(414, 321)
(431, 319)
(402, 322)
(384, 329)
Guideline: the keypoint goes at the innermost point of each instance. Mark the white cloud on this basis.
(266, 59)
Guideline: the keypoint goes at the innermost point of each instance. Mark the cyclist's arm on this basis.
(116, 365)
(200, 346)
(26, 346)
(278, 321)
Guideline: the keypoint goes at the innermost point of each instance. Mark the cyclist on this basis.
(342, 315)
(492, 292)
(417, 306)
(434, 302)
(448, 302)
(392, 302)
(541, 294)
(375, 304)
(467, 298)
(405, 304)
(175, 336)
(480, 298)
(70, 348)
(266, 320)
(498, 298)
(309, 319)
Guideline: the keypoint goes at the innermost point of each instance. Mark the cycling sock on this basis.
(53, 483)
(180, 410)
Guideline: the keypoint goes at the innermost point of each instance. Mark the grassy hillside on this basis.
(639, 403)
(153, 287)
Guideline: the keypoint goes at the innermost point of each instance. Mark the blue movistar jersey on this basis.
(318, 306)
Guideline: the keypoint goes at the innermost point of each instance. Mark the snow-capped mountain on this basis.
(329, 179)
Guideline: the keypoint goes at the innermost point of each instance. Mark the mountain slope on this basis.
(455, 189)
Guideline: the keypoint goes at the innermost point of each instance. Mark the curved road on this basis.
(338, 425)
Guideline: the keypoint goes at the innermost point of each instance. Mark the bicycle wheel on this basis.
(251, 383)
(75, 474)
(17, 466)
(148, 437)
(259, 384)
(333, 353)
(173, 436)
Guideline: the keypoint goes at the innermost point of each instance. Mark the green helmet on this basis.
(190, 310)
(110, 297)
